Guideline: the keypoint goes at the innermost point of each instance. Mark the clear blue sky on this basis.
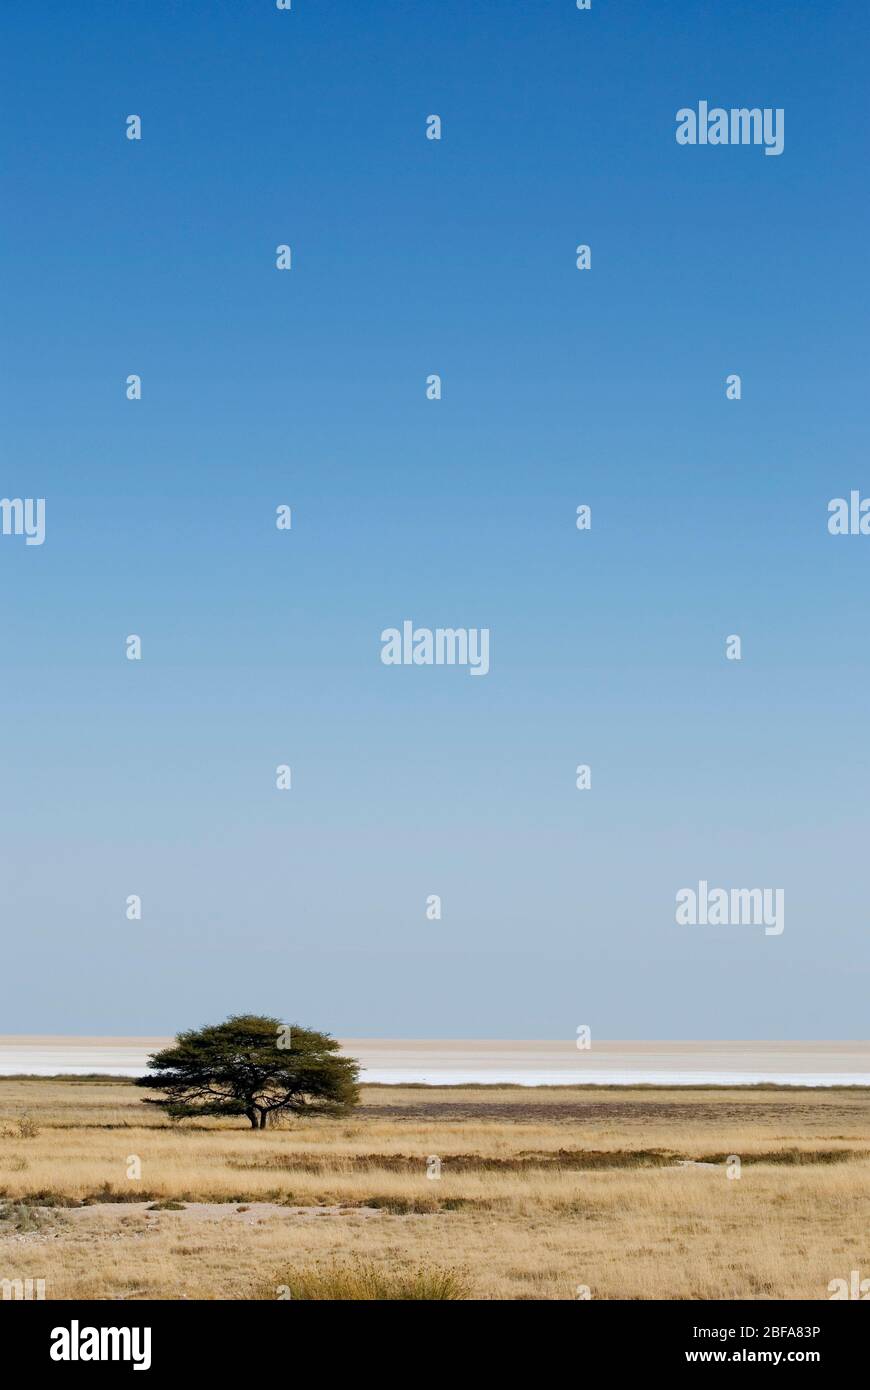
(260, 647)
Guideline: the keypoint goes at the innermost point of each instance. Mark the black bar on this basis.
(225, 1338)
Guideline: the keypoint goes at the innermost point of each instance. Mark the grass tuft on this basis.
(368, 1282)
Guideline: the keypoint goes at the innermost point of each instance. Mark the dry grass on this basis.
(541, 1192)
(364, 1281)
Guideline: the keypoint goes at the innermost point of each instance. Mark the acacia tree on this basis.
(254, 1066)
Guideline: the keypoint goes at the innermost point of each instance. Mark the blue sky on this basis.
(261, 647)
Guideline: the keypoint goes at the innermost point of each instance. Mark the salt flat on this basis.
(489, 1061)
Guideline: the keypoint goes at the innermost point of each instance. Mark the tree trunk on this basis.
(264, 1119)
(252, 1117)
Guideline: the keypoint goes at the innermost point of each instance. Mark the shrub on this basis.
(366, 1281)
(22, 1219)
(25, 1127)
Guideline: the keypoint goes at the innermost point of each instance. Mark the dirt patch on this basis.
(253, 1215)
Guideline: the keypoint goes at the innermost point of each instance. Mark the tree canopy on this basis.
(255, 1066)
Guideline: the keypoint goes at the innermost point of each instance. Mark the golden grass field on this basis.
(544, 1192)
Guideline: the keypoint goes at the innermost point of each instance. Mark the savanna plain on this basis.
(490, 1192)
